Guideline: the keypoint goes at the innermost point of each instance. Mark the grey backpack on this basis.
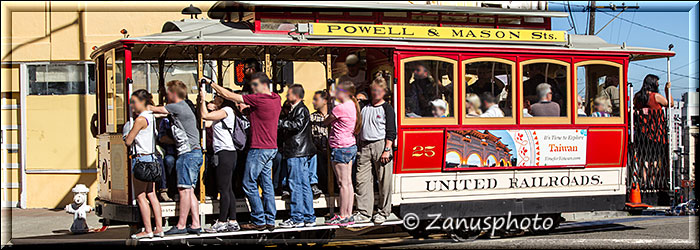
(239, 130)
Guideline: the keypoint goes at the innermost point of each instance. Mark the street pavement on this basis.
(41, 226)
(619, 233)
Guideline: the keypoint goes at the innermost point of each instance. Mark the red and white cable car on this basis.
(521, 152)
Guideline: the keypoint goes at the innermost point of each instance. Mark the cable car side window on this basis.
(488, 91)
(429, 90)
(598, 92)
(545, 91)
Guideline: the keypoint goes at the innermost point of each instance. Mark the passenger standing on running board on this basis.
(189, 160)
(345, 122)
(265, 107)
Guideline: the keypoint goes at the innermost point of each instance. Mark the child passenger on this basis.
(142, 138)
(602, 107)
(439, 108)
(345, 121)
(223, 118)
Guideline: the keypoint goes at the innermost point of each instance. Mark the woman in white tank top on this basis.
(141, 138)
(225, 155)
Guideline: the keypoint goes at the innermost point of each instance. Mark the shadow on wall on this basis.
(86, 179)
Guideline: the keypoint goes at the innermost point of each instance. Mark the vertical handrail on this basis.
(203, 139)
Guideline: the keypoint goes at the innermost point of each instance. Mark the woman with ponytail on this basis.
(141, 138)
(345, 122)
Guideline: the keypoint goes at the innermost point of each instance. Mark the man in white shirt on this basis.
(492, 109)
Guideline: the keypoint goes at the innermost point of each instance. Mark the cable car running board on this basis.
(277, 230)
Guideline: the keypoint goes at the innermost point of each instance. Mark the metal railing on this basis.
(648, 155)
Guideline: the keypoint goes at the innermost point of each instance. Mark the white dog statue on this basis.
(79, 209)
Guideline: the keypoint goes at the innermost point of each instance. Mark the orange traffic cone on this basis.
(635, 199)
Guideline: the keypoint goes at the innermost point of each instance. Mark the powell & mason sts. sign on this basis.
(427, 32)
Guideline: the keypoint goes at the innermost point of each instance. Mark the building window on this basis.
(56, 79)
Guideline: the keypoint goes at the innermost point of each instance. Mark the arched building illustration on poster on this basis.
(474, 148)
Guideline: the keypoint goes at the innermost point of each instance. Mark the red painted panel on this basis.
(605, 147)
(420, 151)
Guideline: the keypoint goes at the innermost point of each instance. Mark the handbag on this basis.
(147, 171)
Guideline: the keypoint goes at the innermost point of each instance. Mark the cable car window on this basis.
(488, 90)
(545, 89)
(598, 89)
(139, 74)
(429, 89)
(119, 100)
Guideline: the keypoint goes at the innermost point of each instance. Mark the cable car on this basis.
(497, 114)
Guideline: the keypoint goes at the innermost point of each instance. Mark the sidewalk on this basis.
(50, 226)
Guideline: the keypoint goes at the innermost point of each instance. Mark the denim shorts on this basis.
(187, 167)
(344, 155)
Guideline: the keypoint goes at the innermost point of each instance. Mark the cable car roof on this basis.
(215, 32)
(234, 6)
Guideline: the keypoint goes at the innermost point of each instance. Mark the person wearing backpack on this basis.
(223, 125)
(297, 151)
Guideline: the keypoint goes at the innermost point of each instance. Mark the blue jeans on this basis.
(279, 172)
(168, 164)
(187, 167)
(302, 199)
(313, 168)
(259, 168)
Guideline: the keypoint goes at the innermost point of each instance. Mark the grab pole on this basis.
(670, 129)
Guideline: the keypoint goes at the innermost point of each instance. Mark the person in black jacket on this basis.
(375, 154)
(298, 150)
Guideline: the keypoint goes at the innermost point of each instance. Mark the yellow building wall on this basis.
(58, 135)
(312, 75)
(67, 31)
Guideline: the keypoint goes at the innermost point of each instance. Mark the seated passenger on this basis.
(536, 74)
(612, 92)
(421, 91)
(581, 112)
(526, 108)
(486, 82)
(439, 108)
(602, 107)
(492, 109)
(472, 105)
(545, 106)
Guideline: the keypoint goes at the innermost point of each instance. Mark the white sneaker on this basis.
(360, 218)
(220, 226)
(233, 226)
(310, 224)
(291, 224)
(379, 219)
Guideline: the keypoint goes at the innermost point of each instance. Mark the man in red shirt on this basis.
(265, 110)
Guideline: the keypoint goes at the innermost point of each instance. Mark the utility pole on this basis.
(591, 18)
(591, 15)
